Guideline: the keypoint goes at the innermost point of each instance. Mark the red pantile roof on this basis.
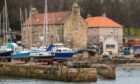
(53, 18)
(102, 22)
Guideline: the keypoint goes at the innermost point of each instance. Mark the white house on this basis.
(111, 45)
(100, 28)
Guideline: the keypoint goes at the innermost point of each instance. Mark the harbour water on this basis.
(127, 75)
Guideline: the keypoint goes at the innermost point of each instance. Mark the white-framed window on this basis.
(111, 32)
(110, 46)
(41, 37)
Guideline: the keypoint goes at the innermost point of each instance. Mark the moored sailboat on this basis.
(5, 51)
(59, 51)
(4, 27)
(20, 53)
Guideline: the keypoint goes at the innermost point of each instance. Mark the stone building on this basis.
(34, 29)
(75, 29)
(61, 27)
(101, 27)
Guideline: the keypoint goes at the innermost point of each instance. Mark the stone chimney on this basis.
(75, 9)
(104, 14)
(33, 11)
(88, 15)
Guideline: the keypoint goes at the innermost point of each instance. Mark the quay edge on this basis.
(61, 73)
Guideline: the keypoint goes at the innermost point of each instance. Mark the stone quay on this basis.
(57, 73)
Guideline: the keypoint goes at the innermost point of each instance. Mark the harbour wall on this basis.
(61, 73)
(106, 70)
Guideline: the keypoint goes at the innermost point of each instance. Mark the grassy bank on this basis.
(132, 31)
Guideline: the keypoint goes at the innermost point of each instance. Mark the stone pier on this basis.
(108, 72)
(61, 73)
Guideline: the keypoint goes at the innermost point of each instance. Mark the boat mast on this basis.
(3, 24)
(46, 22)
(30, 25)
(21, 21)
(6, 25)
(21, 18)
(6, 20)
(26, 27)
(0, 24)
(53, 26)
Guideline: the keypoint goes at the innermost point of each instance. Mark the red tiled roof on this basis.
(104, 22)
(53, 18)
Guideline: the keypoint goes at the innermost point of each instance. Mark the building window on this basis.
(57, 38)
(41, 37)
(111, 32)
(35, 38)
(110, 46)
(69, 37)
(76, 28)
(115, 30)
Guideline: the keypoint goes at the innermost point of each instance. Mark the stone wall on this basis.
(61, 73)
(73, 32)
(31, 35)
(94, 34)
(107, 72)
(75, 29)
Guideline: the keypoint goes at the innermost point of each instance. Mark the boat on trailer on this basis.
(5, 51)
(40, 52)
(20, 53)
(59, 51)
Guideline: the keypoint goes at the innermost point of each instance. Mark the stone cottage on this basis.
(66, 27)
(100, 28)
(34, 30)
(75, 29)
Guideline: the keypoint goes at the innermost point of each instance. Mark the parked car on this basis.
(126, 50)
(105, 55)
(92, 46)
(81, 64)
(137, 51)
(78, 50)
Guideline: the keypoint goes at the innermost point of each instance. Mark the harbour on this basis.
(129, 75)
(57, 73)
(71, 45)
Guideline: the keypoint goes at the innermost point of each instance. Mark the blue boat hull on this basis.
(63, 55)
(20, 55)
(6, 53)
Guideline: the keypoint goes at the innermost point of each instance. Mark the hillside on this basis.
(125, 12)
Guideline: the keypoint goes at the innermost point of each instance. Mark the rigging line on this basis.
(46, 22)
